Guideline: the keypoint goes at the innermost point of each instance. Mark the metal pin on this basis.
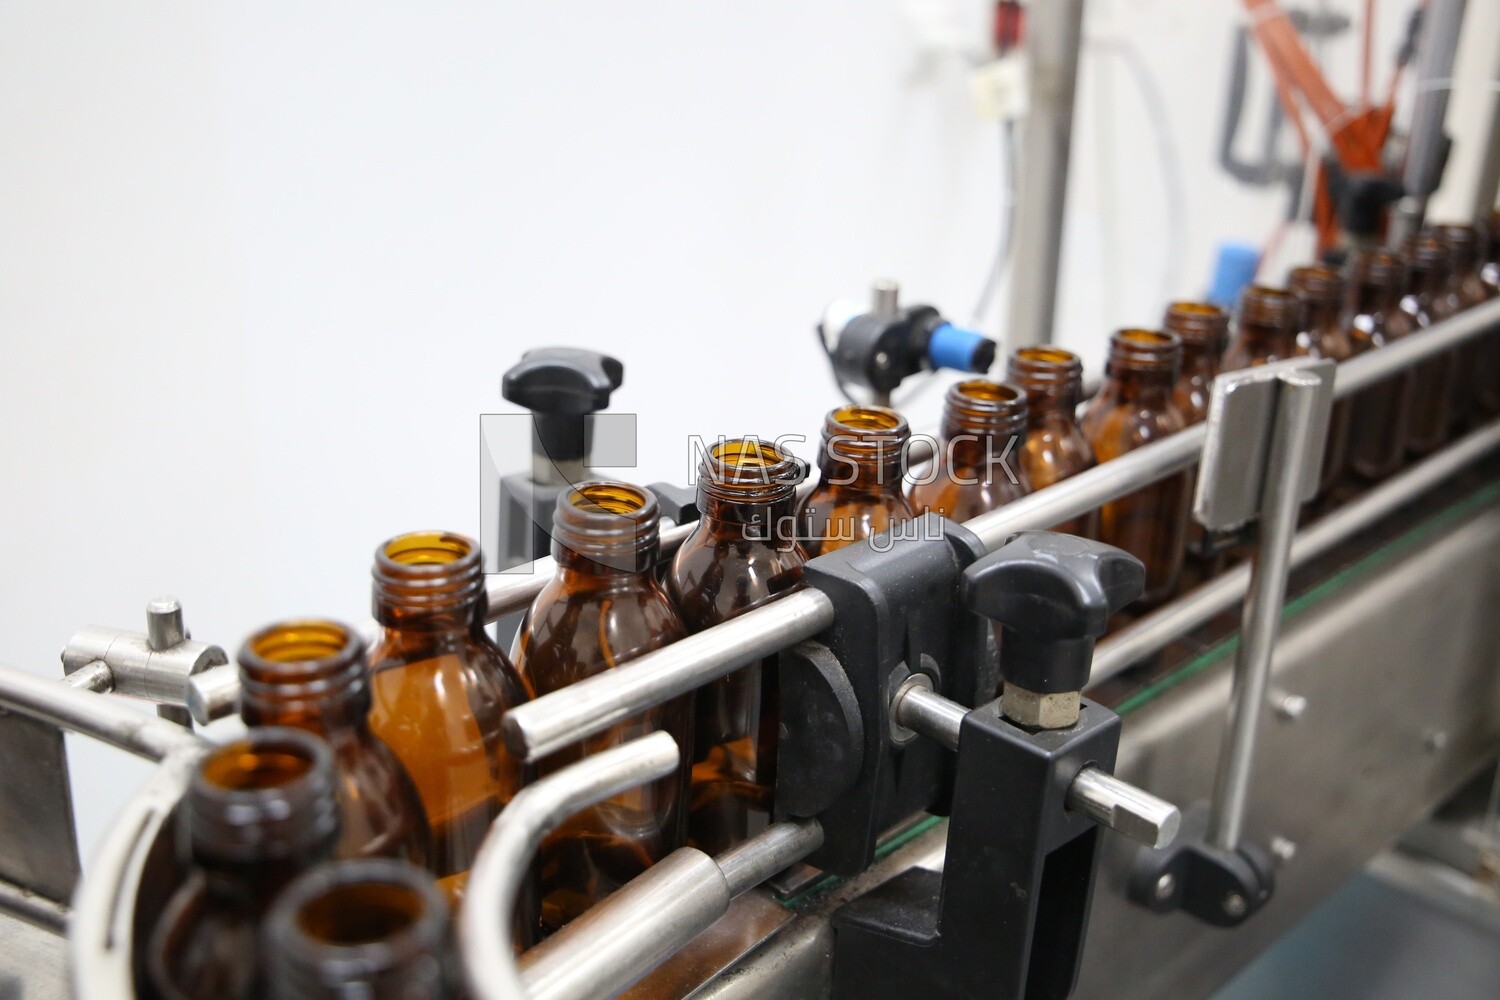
(1124, 808)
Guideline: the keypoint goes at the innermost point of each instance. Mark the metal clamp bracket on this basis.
(1266, 431)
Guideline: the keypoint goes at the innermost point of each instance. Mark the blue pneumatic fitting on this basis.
(967, 351)
(1234, 270)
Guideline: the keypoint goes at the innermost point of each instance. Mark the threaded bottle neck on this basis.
(263, 803)
(864, 446)
(1052, 379)
(748, 481)
(1143, 359)
(429, 581)
(989, 413)
(1268, 322)
(1463, 248)
(310, 673)
(1321, 291)
(1377, 278)
(606, 527)
(374, 928)
(1429, 267)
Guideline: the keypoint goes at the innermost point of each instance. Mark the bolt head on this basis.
(1291, 707)
(1235, 905)
(1040, 711)
(1166, 886)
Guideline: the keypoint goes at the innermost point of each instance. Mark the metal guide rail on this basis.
(889, 650)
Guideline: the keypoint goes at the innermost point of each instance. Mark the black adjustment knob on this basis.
(1053, 595)
(560, 385)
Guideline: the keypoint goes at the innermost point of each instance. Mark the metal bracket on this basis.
(1261, 456)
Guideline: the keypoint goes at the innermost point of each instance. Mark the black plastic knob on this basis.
(560, 386)
(562, 380)
(1053, 595)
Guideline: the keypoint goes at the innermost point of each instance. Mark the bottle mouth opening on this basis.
(1459, 237)
(360, 913)
(305, 641)
(747, 463)
(857, 418)
(611, 498)
(1426, 252)
(256, 764)
(427, 548)
(1137, 349)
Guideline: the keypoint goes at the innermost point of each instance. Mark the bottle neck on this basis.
(748, 490)
(259, 811)
(983, 421)
(1143, 366)
(1428, 282)
(1377, 278)
(1267, 324)
(606, 530)
(1053, 382)
(864, 449)
(375, 928)
(311, 674)
(1204, 332)
(429, 581)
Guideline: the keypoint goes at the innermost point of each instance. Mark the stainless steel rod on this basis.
(924, 711)
(1124, 808)
(773, 850)
(1153, 632)
(1296, 414)
(543, 726)
(103, 718)
(619, 941)
(484, 931)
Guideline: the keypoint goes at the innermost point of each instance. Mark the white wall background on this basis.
(262, 264)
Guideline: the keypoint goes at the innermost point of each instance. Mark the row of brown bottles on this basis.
(265, 912)
(361, 764)
(403, 741)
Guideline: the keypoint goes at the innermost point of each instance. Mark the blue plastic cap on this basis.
(1234, 270)
(964, 350)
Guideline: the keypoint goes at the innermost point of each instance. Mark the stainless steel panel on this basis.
(38, 846)
(1401, 676)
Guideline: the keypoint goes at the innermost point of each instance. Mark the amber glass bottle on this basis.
(1265, 329)
(1324, 335)
(1204, 331)
(372, 929)
(1377, 433)
(1466, 288)
(742, 554)
(258, 812)
(1055, 447)
(859, 488)
(441, 688)
(1428, 301)
(312, 674)
(978, 466)
(1134, 407)
(602, 609)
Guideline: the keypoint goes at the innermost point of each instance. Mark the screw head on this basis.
(1234, 905)
(1291, 707)
(1436, 740)
(1282, 849)
(1166, 886)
